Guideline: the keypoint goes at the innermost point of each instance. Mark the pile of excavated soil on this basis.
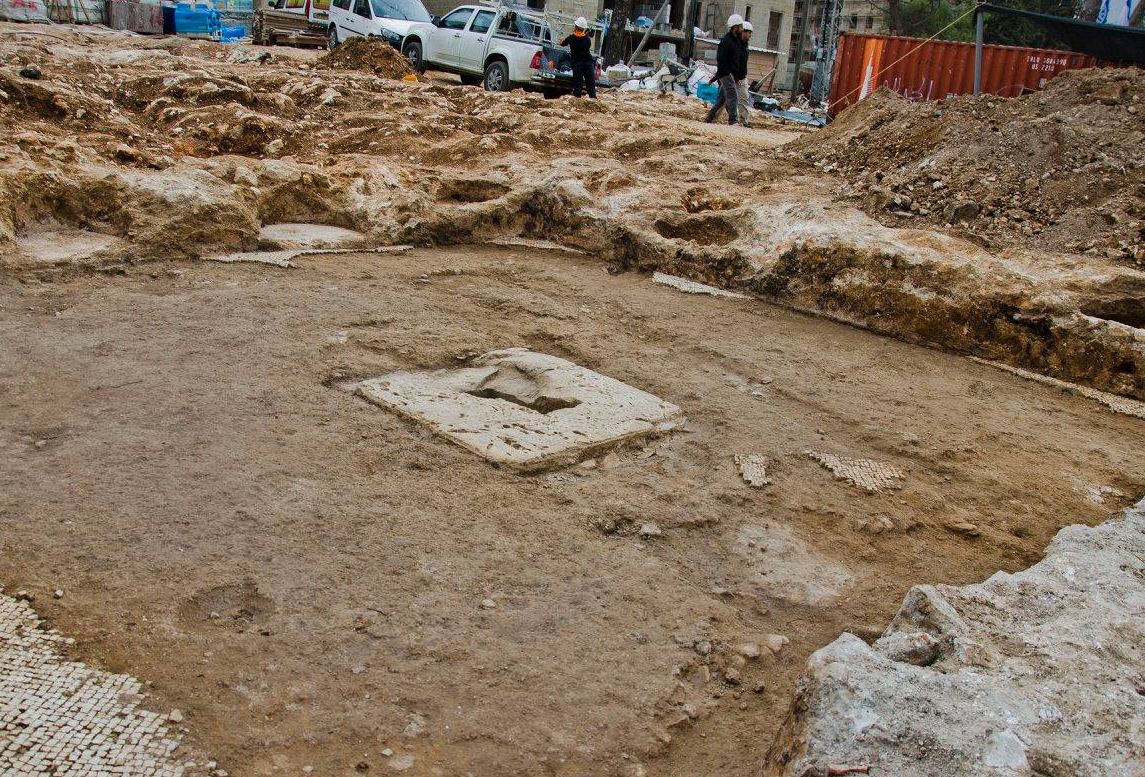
(1062, 169)
(371, 55)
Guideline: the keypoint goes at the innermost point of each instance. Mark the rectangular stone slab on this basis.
(524, 410)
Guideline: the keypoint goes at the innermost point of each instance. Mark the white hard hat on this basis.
(747, 27)
(734, 20)
(581, 23)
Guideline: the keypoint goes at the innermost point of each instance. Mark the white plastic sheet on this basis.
(702, 75)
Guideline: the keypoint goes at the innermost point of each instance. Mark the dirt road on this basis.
(303, 573)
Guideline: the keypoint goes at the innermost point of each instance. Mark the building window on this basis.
(747, 14)
(854, 21)
(870, 22)
(774, 22)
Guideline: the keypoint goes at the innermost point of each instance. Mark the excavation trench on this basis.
(432, 600)
(916, 286)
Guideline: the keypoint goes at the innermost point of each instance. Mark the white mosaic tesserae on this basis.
(869, 475)
(525, 410)
(62, 717)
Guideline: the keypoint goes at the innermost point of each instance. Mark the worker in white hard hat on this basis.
(743, 100)
(728, 56)
(583, 62)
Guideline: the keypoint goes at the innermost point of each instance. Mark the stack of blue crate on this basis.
(197, 20)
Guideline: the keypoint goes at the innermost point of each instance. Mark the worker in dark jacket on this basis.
(583, 63)
(729, 56)
(744, 98)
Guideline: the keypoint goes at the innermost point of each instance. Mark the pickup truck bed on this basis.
(273, 27)
(555, 72)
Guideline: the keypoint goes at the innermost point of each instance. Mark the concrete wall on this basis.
(589, 9)
(441, 7)
(760, 14)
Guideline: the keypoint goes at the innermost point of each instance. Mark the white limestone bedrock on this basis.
(1041, 672)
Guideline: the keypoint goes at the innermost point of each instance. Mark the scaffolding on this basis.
(825, 55)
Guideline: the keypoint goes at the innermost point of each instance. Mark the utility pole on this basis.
(803, 25)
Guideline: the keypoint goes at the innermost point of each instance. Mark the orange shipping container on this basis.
(922, 70)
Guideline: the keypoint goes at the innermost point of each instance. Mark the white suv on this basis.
(388, 19)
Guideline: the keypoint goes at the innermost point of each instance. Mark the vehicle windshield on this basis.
(409, 10)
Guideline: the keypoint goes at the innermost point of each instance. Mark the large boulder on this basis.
(1041, 673)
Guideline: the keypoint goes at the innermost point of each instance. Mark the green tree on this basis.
(924, 18)
(1016, 31)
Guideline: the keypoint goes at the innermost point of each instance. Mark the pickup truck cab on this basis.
(390, 20)
(497, 46)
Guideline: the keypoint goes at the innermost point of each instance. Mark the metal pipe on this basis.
(979, 30)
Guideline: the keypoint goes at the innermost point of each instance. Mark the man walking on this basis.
(743, 99)
(728, 56)
(583, 64)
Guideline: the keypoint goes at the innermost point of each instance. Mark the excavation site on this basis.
(356, 421)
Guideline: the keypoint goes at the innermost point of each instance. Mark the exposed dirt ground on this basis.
(302, 573)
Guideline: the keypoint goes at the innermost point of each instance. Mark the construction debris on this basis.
(1057, 170)
(369, 55)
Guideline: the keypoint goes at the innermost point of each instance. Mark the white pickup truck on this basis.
(499, 47)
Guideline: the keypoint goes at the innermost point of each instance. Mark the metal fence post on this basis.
(979, 29)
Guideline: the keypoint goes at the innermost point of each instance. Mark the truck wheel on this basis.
(332, 37)
(497, 77)
(412, 51)
(470, 80)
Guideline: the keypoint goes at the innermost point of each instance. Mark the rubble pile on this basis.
(371, 55)
(1061, 169)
